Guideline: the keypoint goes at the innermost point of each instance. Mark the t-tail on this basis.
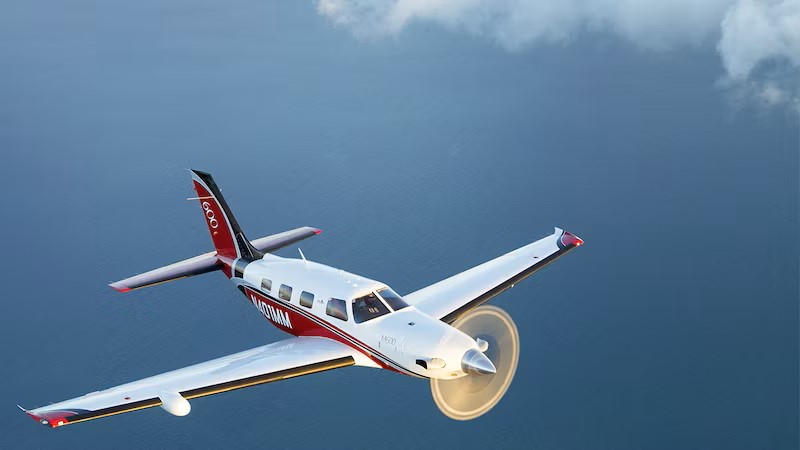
(227, 235)
(232, 249)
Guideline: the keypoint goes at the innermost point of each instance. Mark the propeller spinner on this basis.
(489, 373)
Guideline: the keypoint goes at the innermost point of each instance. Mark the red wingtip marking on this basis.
(51, 421)
(121, 289)
(317, 231)
(569, 238)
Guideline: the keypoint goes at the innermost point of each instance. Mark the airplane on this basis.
(441, 332)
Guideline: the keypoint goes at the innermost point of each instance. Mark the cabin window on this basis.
(391, 297)
(285, 292)
(368, 307)
(336, 308)
(307, 299)
(266, 285)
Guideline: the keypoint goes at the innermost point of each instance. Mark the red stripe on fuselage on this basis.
(304, 325)
(284, 318)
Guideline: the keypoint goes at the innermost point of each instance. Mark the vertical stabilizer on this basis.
(228, 238)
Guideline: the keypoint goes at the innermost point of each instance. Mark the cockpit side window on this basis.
(368, 307)
(337, 308)
(392, 298)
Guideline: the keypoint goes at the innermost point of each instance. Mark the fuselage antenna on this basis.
(304, 257)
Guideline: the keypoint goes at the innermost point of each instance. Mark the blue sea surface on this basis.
(675, 326)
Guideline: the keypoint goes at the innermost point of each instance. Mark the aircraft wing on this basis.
(207, 262)
(450, 298)
(277, 361)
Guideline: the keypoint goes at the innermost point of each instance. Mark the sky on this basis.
(423, 138)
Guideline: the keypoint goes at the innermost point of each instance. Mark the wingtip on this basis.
(317, 231)
(119, 287)
(31, 415)
(568, 239)
(34, 416)
(52, 419)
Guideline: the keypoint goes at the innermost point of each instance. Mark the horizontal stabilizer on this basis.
(207, 262)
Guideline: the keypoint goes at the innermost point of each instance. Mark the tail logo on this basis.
(212, 221)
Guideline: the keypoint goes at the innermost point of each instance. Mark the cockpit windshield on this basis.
(391, 297)
(368, 307)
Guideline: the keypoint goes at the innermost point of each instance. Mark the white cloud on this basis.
(751, 34)
(760, 49)
(515, 23)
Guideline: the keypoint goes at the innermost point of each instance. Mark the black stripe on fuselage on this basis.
(358, 345)
(485, 297)
(217, 388)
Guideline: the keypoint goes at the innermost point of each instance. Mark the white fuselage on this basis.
(404, 340)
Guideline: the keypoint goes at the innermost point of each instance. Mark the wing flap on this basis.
(274, 362)
(207, 262)
(450, 298)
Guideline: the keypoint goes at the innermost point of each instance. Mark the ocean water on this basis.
(675, 326)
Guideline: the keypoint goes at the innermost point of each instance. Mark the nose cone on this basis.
(476, 362)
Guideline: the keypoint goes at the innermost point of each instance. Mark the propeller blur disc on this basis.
(473, 395)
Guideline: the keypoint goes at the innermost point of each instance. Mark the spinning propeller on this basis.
(489, 373)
